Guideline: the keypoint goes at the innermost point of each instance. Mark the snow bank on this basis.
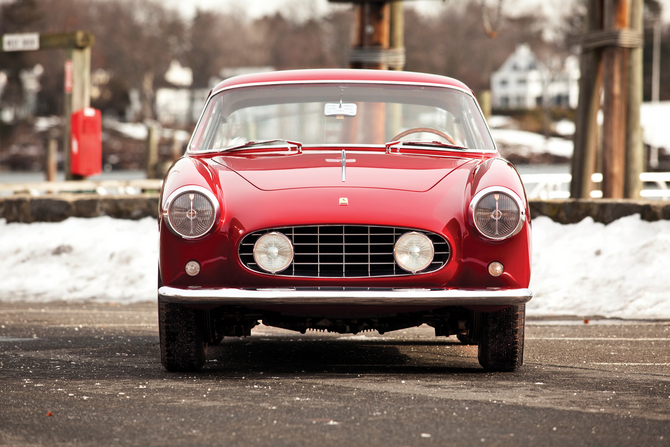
(615, 270)
(584, 269)
(100, 259)
(524, 143)
(654, 118)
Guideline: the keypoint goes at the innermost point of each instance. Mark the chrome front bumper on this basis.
(365, 297)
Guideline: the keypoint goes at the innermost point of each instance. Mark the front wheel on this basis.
(502, 339)
(182, 341)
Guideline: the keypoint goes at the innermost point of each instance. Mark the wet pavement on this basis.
(90, 374)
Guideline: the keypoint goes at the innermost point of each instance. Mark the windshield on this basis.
(341, 114)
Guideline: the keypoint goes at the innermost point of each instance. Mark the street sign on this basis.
(21, 42)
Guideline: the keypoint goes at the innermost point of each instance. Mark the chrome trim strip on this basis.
(340, 81)
(336, 148)
(408, 297)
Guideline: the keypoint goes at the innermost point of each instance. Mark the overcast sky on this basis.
(258, 8)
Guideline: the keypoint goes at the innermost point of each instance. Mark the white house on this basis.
(523, 82)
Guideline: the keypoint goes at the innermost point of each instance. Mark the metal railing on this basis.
(538, 186)
(557, 186)
(102, 187)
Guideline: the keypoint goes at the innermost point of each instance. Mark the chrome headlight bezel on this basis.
(207, 194)
(476, 200)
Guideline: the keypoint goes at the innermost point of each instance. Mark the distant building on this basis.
(183, 105)
(30, 84)
(523, 82)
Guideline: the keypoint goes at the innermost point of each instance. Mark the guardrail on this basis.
(102, 187)
(557, 186)
(538, 186)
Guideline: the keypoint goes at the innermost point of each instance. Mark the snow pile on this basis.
(654, 118)
(615, 270)
(524, 144)
(585, 269)
(101, 259)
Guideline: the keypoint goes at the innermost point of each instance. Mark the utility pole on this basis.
(378, 35)
(615, 77)
(655, 82)
(612, 31)
(634, 138)
(586, 126)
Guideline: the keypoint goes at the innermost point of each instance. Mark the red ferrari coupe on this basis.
(346, 201)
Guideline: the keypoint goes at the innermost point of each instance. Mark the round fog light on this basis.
(192, 268)
(496, 268)
(273, 252)
(414, 252)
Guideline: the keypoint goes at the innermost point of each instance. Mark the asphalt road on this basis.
(90, 375)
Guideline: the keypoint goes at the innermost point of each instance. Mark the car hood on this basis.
(407, 172)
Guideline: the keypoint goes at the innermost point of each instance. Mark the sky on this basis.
(259, 8)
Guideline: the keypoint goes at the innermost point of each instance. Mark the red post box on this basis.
(86, 142)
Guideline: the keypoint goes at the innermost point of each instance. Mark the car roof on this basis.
(337, 75)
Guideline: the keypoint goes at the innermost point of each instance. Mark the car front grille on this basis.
(348, 251)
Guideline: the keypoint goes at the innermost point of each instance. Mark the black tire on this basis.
(182, 341)
(502, 339)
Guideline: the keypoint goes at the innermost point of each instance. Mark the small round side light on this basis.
(192, 268)
(496, 269)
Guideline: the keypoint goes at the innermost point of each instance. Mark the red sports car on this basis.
(346, 201)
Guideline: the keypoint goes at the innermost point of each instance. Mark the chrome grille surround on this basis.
(344, 251)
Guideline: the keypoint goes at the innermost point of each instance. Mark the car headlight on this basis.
(191, 211)
(414, 252)
(273, 252)
(497, 213)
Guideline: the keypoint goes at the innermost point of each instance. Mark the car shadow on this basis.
(345, 355)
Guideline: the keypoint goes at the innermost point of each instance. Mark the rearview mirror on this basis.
(341, 109)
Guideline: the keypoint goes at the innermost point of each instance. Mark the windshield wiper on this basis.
(424, 143)
(249, 144)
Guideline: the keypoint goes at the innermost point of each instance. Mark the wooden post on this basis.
(615, 78)
(586, 125)
(397, 35)
(177, 147)
(634, 138)
(152, 151)
(484, 99)
(371, 37)
(77, 88)
(52, 160)
(67, 113)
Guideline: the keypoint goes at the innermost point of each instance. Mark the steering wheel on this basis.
(439, 133)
